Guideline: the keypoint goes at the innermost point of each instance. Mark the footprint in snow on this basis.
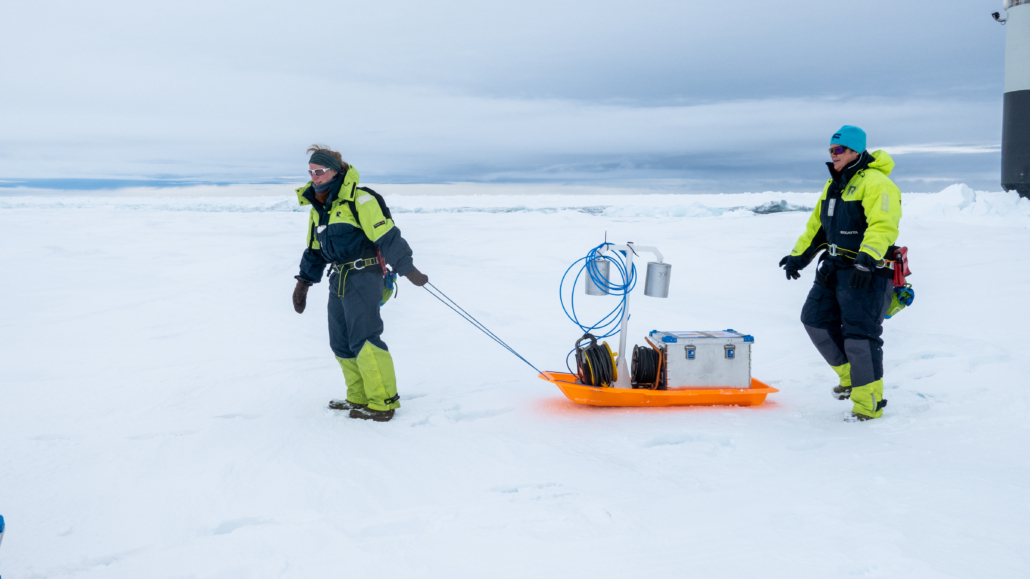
(455, 415)
(152, 435)
(227, 527)
(459, 416)
(806, 445)
(517, 488)
(685, 437)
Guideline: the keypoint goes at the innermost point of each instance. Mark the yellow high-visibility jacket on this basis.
(336, 235)
(859, 211)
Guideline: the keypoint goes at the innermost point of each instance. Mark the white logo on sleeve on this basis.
(364, 199)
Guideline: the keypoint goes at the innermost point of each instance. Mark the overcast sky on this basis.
(701, 95)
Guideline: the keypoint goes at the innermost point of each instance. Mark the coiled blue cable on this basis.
(610, 323)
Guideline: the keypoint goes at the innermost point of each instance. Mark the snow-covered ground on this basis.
(162, 408)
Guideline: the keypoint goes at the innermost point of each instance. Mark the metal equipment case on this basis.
(718, 359)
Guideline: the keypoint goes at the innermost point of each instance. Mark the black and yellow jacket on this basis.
(859, 211)
(335, 236)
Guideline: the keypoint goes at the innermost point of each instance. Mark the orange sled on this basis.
(594, 396)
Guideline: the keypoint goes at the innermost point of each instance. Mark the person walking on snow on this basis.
(856, 220)
(348, 231)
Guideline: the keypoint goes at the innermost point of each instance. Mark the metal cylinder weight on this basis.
(602, 268)
(657, 283)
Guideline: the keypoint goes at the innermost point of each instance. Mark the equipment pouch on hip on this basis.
(901, 270)
(389, 287)
(901, 299)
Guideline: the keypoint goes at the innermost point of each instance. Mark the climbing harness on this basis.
(357, 264)
(903, 295)
(899, 261)
(342, 269)
(838, 251)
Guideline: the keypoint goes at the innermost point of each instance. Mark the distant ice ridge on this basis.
(651, 206)
(213, 204)
(244, 204)
(700, 210)
(956, 202)
(959, 201)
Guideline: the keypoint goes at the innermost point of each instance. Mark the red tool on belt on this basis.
(901, 266)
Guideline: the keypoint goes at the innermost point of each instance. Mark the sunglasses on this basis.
(318, 172)
(838, 150)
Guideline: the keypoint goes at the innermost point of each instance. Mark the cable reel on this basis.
(595, 364)
(647, 368)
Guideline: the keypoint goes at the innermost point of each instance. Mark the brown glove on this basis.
(300, 295)
(417, 277)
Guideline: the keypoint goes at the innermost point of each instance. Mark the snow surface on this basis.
(163, 407)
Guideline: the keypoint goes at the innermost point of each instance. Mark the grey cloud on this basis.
(499, 90)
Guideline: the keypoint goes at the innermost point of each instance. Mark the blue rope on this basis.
(609, 325)
(461, 312)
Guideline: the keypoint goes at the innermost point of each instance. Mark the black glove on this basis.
(417, 277)
(793, 264)
(862, 272)
(300, 295)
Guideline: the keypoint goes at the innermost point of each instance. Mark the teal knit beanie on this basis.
(851, 137)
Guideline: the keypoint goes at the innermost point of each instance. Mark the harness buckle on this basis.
(833, 250)
(356, 262)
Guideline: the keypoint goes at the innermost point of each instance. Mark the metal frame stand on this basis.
(629, 250)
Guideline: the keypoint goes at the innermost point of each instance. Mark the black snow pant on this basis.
(355, 327)
(846, 324)
(354, 311)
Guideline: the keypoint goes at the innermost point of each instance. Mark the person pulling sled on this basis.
(351, 230)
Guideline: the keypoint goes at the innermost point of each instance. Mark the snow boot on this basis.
(842, 392)
(345, 405)
(366, 413)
